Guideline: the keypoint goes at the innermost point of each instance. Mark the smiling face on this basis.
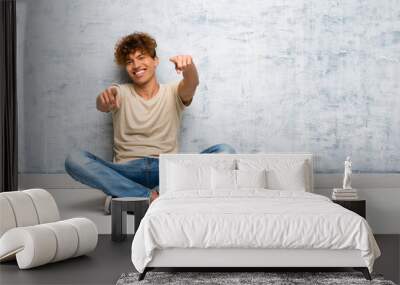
(141, 67)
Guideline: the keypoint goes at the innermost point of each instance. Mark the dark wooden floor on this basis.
(110, 260)
(102, 266)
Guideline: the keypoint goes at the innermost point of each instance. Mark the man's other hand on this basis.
(108, 99)
(181, 62)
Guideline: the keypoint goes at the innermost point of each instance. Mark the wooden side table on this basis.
(119, 209)
(357, 206)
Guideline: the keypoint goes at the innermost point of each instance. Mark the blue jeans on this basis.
(134, 178)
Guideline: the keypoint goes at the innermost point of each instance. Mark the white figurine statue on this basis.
(347, 174)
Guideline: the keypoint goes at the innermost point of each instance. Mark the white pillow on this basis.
(282, 174)
(251, 178)
(223, 179)
(189, 174)
(181, 177)
(235, 179)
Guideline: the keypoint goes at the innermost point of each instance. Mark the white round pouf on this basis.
(41, 244)
(31, 233)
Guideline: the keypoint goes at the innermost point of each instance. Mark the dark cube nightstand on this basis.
(357, 206)
(119, 209)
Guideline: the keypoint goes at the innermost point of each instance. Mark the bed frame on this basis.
(242, 259)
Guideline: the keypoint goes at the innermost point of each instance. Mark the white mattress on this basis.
(251, 218)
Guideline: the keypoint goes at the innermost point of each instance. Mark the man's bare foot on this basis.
(154, 195)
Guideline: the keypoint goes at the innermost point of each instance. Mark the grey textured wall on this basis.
(276, 76)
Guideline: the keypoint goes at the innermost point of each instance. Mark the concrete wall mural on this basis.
(276, 76)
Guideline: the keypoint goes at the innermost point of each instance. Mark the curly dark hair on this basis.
(130, 43)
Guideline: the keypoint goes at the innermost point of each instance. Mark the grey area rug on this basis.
(269, 278)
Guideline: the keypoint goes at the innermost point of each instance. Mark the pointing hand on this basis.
(181, 62)
(109, 99)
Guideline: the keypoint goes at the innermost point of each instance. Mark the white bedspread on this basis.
(250, 219)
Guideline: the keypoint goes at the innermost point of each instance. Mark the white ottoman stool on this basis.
(31, 232)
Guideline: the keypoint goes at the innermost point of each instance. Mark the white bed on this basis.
(213, 212)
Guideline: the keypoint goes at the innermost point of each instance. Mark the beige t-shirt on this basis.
(144, 128)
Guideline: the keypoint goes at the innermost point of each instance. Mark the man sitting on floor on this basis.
(146, 120)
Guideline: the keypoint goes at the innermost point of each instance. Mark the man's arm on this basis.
(187, 86)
